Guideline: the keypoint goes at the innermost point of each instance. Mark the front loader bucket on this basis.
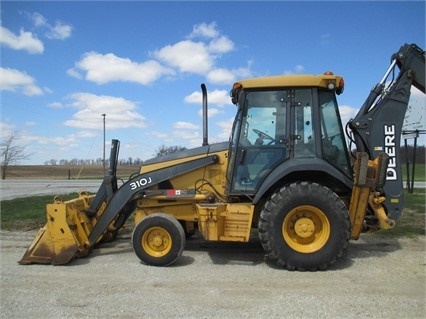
(65, 235)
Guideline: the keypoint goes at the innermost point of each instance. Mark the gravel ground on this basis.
(378, 278)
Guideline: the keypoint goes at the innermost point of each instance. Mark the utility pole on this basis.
(104, 115)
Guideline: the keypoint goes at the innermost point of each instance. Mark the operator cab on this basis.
(284, 119)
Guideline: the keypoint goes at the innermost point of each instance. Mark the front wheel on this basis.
(304, 226)
(158, 240)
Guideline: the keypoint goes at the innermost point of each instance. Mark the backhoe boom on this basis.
(377, 126)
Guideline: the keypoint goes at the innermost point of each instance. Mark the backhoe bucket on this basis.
(65, 235)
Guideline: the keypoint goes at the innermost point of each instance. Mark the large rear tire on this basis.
(158, 240)
(304, 226)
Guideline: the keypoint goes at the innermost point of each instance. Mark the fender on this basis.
(304, 165)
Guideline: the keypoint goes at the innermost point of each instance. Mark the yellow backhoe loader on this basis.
(286, 171)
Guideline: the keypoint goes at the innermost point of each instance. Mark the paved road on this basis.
(10, 189)
(22, 188)
(417, 184)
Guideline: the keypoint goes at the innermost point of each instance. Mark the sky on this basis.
(141, 63)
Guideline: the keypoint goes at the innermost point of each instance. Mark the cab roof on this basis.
(295, 80)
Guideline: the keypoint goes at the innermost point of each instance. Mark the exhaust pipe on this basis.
(113, 158)
(205, 122)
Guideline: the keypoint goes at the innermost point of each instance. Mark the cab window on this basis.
(333, 144)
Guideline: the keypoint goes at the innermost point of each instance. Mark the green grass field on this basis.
(419, 172)
(26, 213)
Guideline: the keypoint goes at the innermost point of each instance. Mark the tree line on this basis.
(95, 162)
(161, 151)
(11, 153)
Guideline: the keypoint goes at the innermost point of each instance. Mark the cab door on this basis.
(262, 141)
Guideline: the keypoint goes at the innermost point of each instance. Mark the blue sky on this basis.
(64, 64)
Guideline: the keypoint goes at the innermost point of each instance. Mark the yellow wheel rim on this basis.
(156, 241)
(306, 229)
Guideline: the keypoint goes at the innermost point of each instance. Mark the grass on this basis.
(29, 213)
(419, 172)
(412, 221)
(26, 213)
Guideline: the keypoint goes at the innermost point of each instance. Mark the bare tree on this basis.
(166, 150)
(10, 153)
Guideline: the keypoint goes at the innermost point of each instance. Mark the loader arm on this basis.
(377, 127)
(74, 227)
(135, 188)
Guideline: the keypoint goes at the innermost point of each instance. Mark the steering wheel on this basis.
(264, 136)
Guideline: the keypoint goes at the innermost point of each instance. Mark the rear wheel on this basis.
(158, 240)
(304, 226)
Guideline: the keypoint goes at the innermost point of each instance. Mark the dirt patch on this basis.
(23, 225)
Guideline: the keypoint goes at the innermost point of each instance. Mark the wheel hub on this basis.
(304, 227)
(157, 241)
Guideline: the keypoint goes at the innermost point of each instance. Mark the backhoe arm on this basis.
(377, 126)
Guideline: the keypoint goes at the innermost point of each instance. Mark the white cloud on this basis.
(217, 97)
(24, 41)
(299, 68)
(56, 105)
(346, 113)
(186, 126)
(59, 31)
(192, 138)
(159, 135)
(221, 76)
(199, 57)
(243, 72)
(188, 135)
(38, 20)
(221, 45)
(120, 113)
(296, 69)
(6, 129)
(212, 111)
(187, 56)
(61, 141)
(14, 80)
(73, 72)
(204, 30)
(226, 127)
(104, 68)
